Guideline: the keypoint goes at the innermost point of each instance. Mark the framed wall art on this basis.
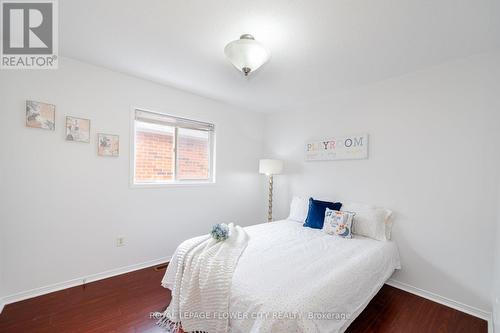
(40, 115)
(351, 147)
(77, 129)
(108, 145)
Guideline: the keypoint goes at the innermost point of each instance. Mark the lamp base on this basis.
(270, 201)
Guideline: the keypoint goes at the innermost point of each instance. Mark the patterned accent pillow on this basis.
(338, 223)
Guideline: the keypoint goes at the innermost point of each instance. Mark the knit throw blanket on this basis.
(199, 276)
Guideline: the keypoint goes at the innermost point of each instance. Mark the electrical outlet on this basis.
(120, 241)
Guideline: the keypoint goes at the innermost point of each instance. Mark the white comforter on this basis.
(296, 279)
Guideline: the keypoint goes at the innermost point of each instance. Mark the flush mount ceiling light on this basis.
(246, 54)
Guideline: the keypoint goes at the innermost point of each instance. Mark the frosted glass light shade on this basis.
(246, 54)
(270, 167)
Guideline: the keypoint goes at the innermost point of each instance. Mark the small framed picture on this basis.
(77, 129)
(40, 115)
(108, 144)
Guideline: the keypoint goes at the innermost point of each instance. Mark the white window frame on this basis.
(174, 182)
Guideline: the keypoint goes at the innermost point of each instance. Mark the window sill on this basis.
(172, 184)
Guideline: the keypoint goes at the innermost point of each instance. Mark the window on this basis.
(171, 150)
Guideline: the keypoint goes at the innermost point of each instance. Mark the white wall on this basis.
(2, 293)
(431, 162)
(495, 89)
(62, 206)
(496, 277)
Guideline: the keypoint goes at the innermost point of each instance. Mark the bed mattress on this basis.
(296, 279)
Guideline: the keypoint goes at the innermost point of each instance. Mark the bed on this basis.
(296, 279)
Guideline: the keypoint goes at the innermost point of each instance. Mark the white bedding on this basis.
(296, 279)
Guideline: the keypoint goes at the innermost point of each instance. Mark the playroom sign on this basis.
(352, 147)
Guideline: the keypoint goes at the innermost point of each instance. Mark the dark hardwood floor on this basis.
(124, 303)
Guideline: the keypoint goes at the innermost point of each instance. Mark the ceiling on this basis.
(318, 47)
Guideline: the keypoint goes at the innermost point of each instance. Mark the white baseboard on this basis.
(77, 282)
(473, 311)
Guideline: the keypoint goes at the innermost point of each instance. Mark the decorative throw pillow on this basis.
(338, 223)
(298, 209)
(316, 213)
(370, 221)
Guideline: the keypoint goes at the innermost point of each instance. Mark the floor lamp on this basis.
(270, 168)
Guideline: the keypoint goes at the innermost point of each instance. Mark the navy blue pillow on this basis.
(316, 213)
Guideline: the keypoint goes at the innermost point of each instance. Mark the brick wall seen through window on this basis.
(155, 154)
(193, 148)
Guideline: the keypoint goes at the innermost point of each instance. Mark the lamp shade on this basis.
(270, 167)
(246, 54)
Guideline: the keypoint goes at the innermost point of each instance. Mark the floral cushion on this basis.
(338, 223)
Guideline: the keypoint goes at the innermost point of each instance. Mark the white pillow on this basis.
(370, 221)
(298, 209)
